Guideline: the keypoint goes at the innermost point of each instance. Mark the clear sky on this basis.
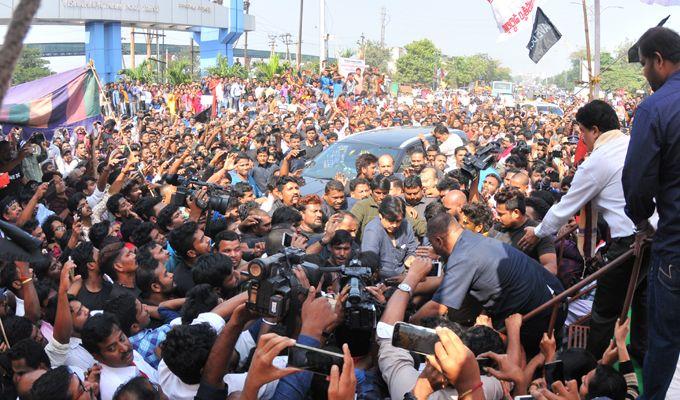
(457, 27)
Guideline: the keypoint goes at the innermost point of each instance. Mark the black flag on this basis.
(543, 36)
(633, 55)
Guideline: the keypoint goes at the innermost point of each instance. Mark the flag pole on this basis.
(107, 104)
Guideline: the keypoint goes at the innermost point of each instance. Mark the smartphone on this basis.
(554, 372)
(315, 360)
(302, 153)
(286, 239)
(417, 339)
(72, 271)
(484, 362)
(524, 397)
(437, 269)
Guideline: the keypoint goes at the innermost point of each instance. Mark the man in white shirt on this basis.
(448, 144)
(103, 338)
(598, 179)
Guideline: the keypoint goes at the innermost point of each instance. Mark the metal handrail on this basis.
(580, 285)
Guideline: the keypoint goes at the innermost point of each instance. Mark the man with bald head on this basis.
(502, 279)
(386, 165)
(521, 181)
(453, 201)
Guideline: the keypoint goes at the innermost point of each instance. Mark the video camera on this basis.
(273, 283)
(218, 196)
(360, 311)
(483, 159)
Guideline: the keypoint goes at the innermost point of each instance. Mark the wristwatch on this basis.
(405, 287)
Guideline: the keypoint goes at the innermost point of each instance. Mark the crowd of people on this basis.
(172, 251)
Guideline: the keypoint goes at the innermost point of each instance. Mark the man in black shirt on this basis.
(95, 291)
(118, 261)
(12, 166)
(189, 242)
(311, 145)
(512, 218)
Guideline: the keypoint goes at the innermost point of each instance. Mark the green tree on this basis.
(179, 71)
(419, 64)
(347, 53)
(376, 55)
(267, 70)
(224, 70)
(144, 72)
(616, 73)
(463, 70)
(31, 66)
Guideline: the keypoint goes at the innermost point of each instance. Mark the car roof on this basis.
(539, 103)
(395, 137)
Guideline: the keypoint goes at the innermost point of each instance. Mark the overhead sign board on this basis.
(163, 14)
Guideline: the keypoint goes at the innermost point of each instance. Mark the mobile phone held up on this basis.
(414, 338)
(554, 372)
(315, 360)
(286, 240)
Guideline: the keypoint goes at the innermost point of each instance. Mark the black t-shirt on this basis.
(503, 279)
(117, 290)
(183, 278)
(15, 176)
(95, 301)
(512, 236)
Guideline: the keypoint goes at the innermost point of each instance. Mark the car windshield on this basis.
(550, 110)
(340, 158)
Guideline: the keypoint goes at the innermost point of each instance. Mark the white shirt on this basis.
(112, 378)
(598, 179)
(448, 148)
(173, 387)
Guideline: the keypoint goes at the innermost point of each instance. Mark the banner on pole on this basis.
(544, 35)
(64, 100)
(349, 65)
(512, 15)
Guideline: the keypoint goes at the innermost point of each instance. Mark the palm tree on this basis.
(179, 71)
(144, 72)
(268, 70)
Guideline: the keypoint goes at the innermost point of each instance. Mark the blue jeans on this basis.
(663, 320)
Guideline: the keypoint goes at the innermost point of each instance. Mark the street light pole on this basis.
(246, 59)
(299, 43)
(322, 34)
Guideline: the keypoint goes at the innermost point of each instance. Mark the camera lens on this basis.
(255, 270)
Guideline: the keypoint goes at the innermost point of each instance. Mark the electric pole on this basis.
(299, 43)
(287, 41)
(272, 45)
(246, 59)
(132, 48)
(362, 46)
(322, 34)
(148, 46)
(383, 24)
(596, 56)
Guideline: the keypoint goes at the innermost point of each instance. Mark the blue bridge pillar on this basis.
(103, 44)
(215, 41)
